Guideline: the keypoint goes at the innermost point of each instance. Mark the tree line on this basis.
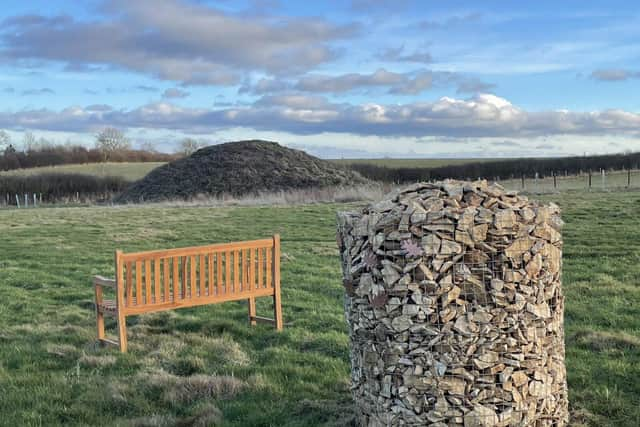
(501, 169)
(111, 145)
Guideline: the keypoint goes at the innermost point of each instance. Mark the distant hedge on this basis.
(57, 186)
(502, 169)
(65, 155)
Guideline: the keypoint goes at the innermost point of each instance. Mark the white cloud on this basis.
(482, 116)
(173, 40)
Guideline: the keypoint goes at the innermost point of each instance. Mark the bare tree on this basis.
(188, 146)
(5, 140)
(28, 141)
(148, 146)
(111, 140)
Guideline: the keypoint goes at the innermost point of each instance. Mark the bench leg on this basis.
(99, 314)
(252, 311)
(277, 310)
(122, 332)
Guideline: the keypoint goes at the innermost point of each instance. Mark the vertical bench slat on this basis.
(210, 264)
(260, 267)
(203, 271)
(268, 268)
(227, 271)
(183, 283)
(245, 270)
(166, 279)
(139, 300)
(236, 272)
(147, 281)
(252, 270)
(176, 278)
(193, 289)
(129, 284)
(156, 281)
(218, 272)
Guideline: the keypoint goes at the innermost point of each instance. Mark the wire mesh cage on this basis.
(455, 308)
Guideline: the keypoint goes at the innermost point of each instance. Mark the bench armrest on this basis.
(103, 281)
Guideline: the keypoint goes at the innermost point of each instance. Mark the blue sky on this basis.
(338, 78)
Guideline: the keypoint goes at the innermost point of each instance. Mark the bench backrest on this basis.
(197, 275)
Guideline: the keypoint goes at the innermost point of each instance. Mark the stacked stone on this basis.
(455, 308)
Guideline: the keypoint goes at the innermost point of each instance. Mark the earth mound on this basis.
(238, 168)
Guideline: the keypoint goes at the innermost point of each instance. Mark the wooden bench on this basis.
(167, 279)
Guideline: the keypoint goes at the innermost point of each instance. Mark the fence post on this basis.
(555, 184)
(35, 200)
(589, 178)
(522, 177)
(629, 178)
(26, 201)
(18, 201)
(603, 179)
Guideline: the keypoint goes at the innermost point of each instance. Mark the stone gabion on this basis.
(455, 308)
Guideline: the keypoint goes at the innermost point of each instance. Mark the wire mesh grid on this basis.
(466, 335)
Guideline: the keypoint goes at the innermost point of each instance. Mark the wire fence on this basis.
(600, 180)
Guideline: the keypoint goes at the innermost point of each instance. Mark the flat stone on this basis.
(481, 416)
(449, 247)
(430, 244)
(539, 310)
(401, 323)
(519, 247)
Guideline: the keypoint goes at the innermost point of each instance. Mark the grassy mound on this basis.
(238, 168)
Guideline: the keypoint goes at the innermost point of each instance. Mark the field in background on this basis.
(611, 181)
(205, 364)
(410, 163)
(130, 171)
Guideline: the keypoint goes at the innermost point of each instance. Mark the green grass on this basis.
(206, 365)
(130, 171)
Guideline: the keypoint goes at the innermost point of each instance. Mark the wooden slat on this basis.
(193, 289)
(260, 268)
(129, 283)
(183, 282)
(203, 271)
(147, 281)
(166, 278)
(218, 273)
(277, 300)
(268, 267)
(227, 271)
(176, 278)
(252, 269)
(197, 250)
(156, 280)
(138, 282)
(210, 288)
(236, 272)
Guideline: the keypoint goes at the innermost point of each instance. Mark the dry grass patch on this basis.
(65, 351)
(177, 389)
(222, 349)
(97, 361)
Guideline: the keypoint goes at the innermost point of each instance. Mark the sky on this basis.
(336, 78)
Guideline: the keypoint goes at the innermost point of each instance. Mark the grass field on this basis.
(205, 365)
(411, 163)
(129, 171)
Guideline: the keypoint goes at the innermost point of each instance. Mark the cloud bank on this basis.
(482, 116)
